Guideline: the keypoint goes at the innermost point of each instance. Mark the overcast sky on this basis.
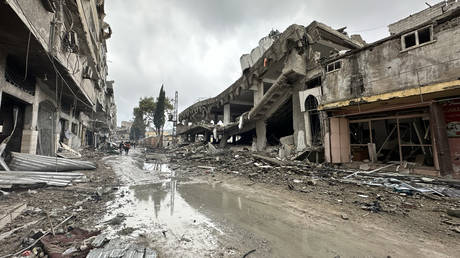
(194, 46)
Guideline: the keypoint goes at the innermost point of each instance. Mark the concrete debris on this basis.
(118, 248)
(8, 214)
(67, 152)
(72, 243)
(453, 212)
(211, 149)
(30, 162)
(364, 167)
(272, 161)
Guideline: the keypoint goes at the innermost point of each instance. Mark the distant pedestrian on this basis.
(127, 146)
(121, 147)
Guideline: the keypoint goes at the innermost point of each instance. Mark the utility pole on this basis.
(175, 117)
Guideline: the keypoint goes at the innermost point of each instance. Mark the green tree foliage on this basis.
(159, 115)
(147, 106)
(150, 111)
(138, 128)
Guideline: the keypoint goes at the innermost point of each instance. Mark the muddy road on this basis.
(181, 215)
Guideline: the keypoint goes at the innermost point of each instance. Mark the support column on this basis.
(261, 132)
(298, 120)
(29, 139)
(227, 114)
(308, 136)
(259, 93)
(440, 139)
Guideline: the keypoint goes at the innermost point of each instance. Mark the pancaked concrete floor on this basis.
(223, 216)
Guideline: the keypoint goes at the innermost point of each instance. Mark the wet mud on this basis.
(181, 216)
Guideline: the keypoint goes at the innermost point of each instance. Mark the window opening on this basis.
(409, 40)
(399, 138)
(424, 35)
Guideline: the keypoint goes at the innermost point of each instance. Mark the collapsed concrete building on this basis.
(53, 75)
(318, 91)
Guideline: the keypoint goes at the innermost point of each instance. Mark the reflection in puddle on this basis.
(162, 168)
(160, 214)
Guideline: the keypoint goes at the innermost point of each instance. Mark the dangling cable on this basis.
(27, 57)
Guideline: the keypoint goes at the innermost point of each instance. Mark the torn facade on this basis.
(267, 103)
(342, 100)
(53, 71)
(398, 99)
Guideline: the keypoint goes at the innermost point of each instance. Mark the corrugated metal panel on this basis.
(30, 162)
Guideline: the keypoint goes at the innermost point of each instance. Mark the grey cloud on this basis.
(193, 46)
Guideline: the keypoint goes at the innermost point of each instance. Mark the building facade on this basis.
(319, 90)
(53, 72)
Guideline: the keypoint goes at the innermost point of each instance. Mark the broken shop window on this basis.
(401, 139)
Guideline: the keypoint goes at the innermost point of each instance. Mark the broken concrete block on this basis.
(453, 212)
(312, 182)
(212, 149)
(364, 167)
(288, 140)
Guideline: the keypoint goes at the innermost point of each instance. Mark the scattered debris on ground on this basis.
(409, 197)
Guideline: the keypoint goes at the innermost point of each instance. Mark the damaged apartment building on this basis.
(53, 70)
(330, 97)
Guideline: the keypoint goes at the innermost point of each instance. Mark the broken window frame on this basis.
(417, 38)
(401, 145)
(335, 66)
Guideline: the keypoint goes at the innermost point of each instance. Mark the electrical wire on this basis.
(51, 58)
(27, 57)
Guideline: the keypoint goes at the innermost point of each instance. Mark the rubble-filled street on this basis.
(230, 128)
(191, 202)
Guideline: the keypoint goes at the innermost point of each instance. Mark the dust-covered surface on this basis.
(186, 202)
(337, 217)
(86, 201)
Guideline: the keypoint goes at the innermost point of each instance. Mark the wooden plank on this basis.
(335, 139)
(440, 139)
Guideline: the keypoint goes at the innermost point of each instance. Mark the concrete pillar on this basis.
(308, 135)
(261, 132)
(227, 114)
(29, 139)
(298, 120)
(259, 93)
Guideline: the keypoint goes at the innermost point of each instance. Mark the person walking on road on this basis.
(121, 147)
(127, 146)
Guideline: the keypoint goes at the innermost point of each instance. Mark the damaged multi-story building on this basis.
(53, 75)
(334, 98)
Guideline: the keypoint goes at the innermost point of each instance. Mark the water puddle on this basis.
(195, 219)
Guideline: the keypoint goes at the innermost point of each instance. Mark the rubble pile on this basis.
(374, 191)
(33, 212)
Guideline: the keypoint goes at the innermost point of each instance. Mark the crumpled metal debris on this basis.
(30, 162)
